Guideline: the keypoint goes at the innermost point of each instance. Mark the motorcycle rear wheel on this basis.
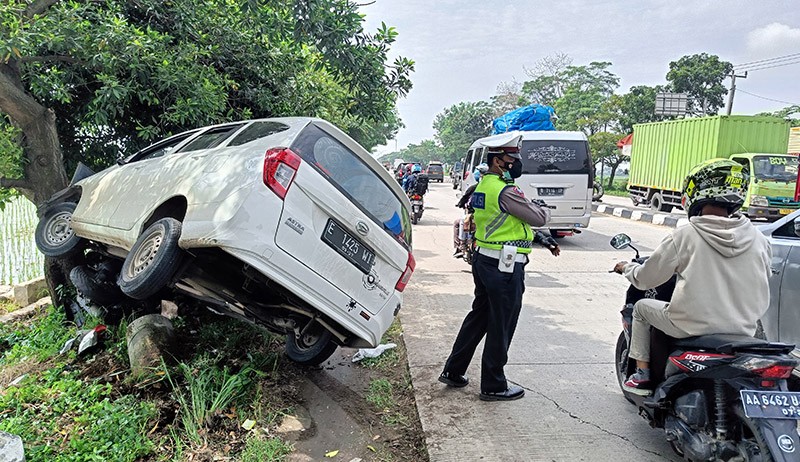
(621, 363)
(754, 449)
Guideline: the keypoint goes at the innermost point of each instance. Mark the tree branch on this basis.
(16, 184)
(38, 7)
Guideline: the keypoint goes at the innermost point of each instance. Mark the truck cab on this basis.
(773, 179)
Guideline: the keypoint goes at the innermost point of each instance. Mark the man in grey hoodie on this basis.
(722, 265)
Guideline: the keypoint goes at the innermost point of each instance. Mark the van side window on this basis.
(476, 159)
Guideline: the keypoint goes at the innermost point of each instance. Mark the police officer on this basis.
(503, 220)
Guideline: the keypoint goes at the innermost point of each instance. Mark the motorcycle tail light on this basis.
(406, 276)
(768, 368)
(280, 168)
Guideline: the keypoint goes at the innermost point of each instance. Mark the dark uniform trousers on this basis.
(495, 310)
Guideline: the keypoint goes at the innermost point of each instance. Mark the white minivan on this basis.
(556, 167)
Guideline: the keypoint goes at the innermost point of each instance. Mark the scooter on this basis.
(717, 397)
(417, 207)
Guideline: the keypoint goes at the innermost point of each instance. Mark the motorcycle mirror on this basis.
(620, 241)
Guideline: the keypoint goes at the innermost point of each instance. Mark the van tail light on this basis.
(406, 276)
(768, 368)
(280, 168)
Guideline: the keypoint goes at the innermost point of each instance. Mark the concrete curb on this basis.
(640, 215)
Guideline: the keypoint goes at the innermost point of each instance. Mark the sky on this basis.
(463, 49)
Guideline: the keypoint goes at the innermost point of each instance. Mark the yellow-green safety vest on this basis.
(493, 227)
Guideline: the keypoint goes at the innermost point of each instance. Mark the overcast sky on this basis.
(464, 48)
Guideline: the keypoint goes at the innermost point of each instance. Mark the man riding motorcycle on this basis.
(722, 265)
(465, 224)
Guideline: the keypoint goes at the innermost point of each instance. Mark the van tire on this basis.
(54, 235)
(153, 260)
(312, 348)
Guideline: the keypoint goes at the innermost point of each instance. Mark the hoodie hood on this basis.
(728, 236)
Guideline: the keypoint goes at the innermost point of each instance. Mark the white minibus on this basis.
(556, 167)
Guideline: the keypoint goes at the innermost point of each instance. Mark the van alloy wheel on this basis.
(145, 254)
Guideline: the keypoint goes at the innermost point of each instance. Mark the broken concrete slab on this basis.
(11, 449)
(28, 292)
(293, 426)
(26, 312)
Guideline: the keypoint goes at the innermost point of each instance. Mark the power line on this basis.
(779, 58)
(768, 66)
(768, 99)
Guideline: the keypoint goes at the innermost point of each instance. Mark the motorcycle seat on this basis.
(729, 344)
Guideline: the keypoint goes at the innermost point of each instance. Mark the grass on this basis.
(19, 258)
(65, 408)
(619, 187)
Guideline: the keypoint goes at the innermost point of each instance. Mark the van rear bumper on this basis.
(579, 222)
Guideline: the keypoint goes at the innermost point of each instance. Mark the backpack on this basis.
(421, 186)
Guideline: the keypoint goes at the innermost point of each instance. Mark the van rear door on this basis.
(343, 221)
(560, 173)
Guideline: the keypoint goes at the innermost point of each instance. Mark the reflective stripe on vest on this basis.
(493, 227)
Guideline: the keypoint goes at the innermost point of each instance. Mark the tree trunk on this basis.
(44, 172)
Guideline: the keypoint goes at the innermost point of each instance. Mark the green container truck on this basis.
(663, 153)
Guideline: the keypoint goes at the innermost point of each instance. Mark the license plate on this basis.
(786, 211)
(771, 404)
(550, 191)
(348, 246)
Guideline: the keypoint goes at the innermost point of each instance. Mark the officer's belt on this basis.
(520, 257)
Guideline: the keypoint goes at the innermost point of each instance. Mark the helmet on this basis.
(416, 168)
(721, 182)
(480, 170)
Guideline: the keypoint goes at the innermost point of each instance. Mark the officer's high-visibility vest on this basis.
(493, 227)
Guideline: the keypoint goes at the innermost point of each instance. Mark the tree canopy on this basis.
(458, 126)
(91, 81)
(700, 76)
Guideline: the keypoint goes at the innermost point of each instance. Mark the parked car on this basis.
(435, 171)
(782, 321)
(287, 223)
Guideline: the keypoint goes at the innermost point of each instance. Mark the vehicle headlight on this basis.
(759, 201)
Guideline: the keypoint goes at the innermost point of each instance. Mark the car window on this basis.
(787, 231)
(161, 148)
(555, 157)
(211, 138)
(256, 131)
(350, 175)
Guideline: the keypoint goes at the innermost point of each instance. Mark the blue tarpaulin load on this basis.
(533, 117)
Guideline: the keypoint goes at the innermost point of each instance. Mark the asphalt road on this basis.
(562, 353)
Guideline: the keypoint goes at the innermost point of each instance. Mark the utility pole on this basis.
(733, 89)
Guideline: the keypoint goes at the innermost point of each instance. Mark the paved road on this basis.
(562, 352)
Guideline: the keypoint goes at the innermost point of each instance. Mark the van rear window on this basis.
(555, 157)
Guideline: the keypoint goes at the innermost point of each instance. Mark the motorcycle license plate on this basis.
(771, 404)
(348, 246)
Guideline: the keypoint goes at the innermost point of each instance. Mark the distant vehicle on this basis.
(556, 167)
(287, 223)
(663, 152)
(435, 171)
(455, 173)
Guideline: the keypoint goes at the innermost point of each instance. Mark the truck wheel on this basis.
(657, 204)
(153, 260)
(54, 236)
(312, 348)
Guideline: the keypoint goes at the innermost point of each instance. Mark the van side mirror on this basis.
(620, 241)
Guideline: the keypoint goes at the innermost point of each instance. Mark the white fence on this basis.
(19, 258)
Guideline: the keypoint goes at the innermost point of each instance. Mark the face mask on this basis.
(513, 169)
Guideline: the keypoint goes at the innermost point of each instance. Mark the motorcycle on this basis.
(717, 397)
(417, 207)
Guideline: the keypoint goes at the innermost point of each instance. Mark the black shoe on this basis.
(511, 393)
(452, 380)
